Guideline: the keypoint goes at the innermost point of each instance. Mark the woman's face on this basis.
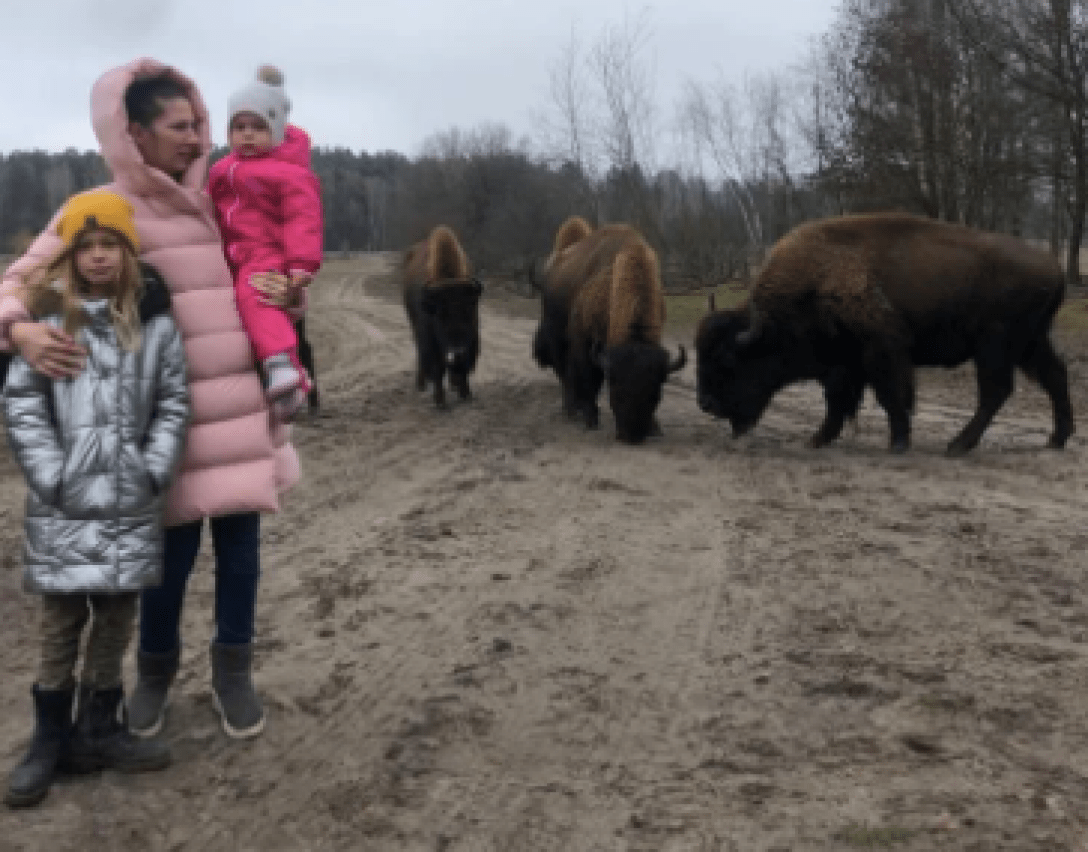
(172, 142)
(99, 257)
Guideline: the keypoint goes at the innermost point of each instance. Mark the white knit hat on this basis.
(263, 97)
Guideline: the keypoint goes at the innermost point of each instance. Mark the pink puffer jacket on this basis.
(269, 208)
(234, 461)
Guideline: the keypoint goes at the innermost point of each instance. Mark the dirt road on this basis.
(490, 629)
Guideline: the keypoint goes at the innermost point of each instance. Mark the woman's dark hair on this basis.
(144, 96)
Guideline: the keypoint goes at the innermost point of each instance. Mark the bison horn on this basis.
(680, 360)
(755, 327)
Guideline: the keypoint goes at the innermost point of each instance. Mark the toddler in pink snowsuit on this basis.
(268, 205)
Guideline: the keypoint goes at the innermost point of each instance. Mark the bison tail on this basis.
(574, 230)
(447, 258)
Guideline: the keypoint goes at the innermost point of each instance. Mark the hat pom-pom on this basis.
(270, 74)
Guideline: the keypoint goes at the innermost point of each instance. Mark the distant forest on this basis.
(971, 111)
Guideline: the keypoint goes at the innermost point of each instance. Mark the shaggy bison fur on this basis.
(858, 301)
(602, 314)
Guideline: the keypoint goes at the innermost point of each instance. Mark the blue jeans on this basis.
(236, 540)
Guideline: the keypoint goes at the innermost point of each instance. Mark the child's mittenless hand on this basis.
(48, 350)
(278, 289)
(301, 278)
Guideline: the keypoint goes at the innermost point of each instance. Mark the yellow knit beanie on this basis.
(102, 209)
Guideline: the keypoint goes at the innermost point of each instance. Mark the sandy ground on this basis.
(490, 629)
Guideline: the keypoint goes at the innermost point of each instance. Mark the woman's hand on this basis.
(47, 350)
(277, 289)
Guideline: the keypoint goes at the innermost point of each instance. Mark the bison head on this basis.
(738, 367)
(636, 373)
(455, 309)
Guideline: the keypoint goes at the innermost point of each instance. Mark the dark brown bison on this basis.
(443, 303)
(858, 301)
(602, 313)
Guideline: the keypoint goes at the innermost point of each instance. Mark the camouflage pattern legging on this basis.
(63, 618)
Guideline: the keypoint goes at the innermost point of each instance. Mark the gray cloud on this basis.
(372, 76)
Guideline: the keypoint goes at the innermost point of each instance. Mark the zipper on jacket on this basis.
(234, 189)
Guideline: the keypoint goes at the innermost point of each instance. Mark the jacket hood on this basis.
(154, 301)
(295, 147)
(110, 121)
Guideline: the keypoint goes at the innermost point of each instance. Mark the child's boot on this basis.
(287, 386)
(281, 375)
(100, 740)
(147, 705)
(232, 690)
(29, 782)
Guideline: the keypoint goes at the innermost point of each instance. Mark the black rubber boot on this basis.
(232, 690)
(29, 782)
(147, 705)
(101, 740)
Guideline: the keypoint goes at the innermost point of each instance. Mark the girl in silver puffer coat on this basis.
(98, 452)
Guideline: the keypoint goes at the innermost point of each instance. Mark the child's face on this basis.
(100, 256)
(249, 134)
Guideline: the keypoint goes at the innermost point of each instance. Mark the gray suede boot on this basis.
(232, 690)
(147, 706)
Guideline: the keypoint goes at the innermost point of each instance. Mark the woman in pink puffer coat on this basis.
(268, 205)
(152, 127)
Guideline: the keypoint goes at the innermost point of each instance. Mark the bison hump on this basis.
(636, 301)
(573, 230)
(445, 257)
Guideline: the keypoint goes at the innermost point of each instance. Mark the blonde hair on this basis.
(42, 295)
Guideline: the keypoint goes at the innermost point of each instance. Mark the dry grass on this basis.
(1073, 317)
(684, 310)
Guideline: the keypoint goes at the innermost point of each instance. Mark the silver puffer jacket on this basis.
(98, 452)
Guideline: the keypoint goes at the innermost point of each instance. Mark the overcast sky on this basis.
(374, 76)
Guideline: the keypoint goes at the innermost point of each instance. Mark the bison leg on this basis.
(459, 381)
(891, 375)
(439, 394)
(843, 390)
(1042, 364)
(994, 375)
(434, 369)
(306, 357)
(584, 380)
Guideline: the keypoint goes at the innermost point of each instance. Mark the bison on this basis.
(602, 313)
(858, 301)
(443, 304)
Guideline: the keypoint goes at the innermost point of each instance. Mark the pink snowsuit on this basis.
(269, 211)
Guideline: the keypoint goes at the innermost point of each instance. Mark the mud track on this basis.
(490, 629)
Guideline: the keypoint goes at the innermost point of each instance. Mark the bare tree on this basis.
(744, 142)
(1041, 46)
(602, 120)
